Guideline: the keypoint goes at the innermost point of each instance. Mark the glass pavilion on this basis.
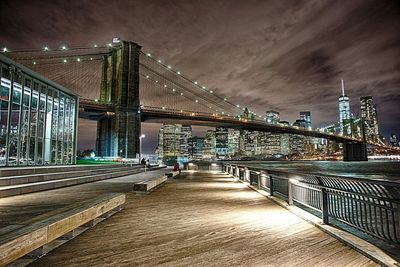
(38, 118)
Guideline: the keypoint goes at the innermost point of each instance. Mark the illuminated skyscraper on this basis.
(306, 116)
(272, 116)
(370, 116)
(173, 141)
(209, 145)
(344, 108)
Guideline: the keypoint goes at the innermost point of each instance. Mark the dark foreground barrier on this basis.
(371, 206)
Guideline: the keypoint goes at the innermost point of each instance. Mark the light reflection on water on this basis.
(383, 170)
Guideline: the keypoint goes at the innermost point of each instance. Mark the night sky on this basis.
(285, 55)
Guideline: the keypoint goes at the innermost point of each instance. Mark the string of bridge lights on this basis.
(196, 83)
(149, 55)
(181, 94)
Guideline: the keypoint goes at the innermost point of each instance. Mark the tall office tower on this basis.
(344, 109)
(233, 142)
(221, 142)
(285, 140)
(306, 116)
(250, 142)
(196, 147)
(297, 142)
(272, 144)
(370, 116)
(209, 145)
(169, 140)
(186, 133)
(272, 116)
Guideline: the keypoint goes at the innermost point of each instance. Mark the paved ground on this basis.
(18, 209)
(203, 219)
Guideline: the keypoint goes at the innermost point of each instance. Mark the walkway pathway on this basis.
(204, 219)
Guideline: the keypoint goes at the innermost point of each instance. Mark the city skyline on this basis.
(265, 61)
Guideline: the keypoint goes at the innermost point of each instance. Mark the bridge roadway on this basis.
(202, 219)
(95, 111)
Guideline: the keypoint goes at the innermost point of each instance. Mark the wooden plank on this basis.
(25, 242)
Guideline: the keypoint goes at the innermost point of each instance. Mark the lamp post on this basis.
(140, 146)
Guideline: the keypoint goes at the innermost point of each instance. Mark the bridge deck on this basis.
(204, 219)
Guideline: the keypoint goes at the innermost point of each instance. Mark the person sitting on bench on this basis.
(176, 167)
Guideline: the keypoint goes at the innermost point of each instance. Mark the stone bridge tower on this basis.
(118, 134)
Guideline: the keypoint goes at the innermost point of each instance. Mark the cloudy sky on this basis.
(285, 55)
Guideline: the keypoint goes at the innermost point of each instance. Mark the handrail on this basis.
(371, 206)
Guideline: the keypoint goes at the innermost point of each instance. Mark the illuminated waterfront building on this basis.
(273, 145)
(173, 141)
(285, 140)
(226, 142)
(186, 133)
(38, 118)
(250, 143)
(196, 147)
(209, 145)
(233, 142)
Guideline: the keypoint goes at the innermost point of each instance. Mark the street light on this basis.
(140, 146)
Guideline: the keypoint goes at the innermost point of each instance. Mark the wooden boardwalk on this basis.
(204, 219)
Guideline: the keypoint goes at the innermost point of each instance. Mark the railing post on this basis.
(271, 185)
(259, 180)
(290, 192)
(324, 206)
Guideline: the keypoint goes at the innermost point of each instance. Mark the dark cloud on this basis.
(279, 54)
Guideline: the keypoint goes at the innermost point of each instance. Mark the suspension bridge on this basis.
(121, 86)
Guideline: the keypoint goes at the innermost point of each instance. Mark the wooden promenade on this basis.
(203, 219)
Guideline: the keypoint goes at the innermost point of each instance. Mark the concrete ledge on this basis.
(367, 249)
(145, 187)
(42, 235)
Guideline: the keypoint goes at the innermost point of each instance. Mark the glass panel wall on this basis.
(37, 120)
(25, 118)
(13, 140)
(4, 105)
(54, 128)
(33, 125)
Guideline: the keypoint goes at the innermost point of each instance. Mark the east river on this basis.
(382, 170)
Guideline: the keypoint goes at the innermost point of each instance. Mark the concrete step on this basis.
(29, 170)
(13, 190)
(33, 178)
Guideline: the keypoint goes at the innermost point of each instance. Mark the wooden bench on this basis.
(172, 174)
(36, 239)
(145, 187)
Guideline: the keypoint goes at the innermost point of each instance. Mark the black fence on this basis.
(371, 206)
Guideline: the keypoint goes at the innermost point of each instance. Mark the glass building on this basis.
(38, 118)
(344, 108)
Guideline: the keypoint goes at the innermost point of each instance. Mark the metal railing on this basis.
(371, 206)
